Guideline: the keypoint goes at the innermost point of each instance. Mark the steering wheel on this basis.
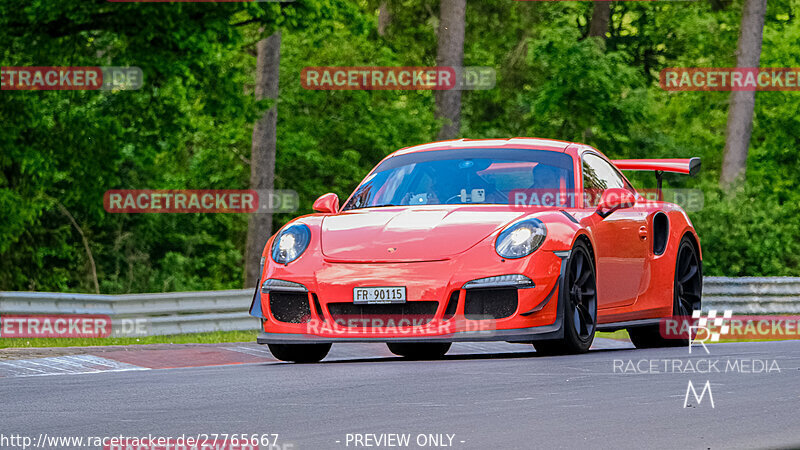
(454, 197)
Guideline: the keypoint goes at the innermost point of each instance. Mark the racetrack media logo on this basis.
(730, 79)
(70, 78)
(700, 330)
(397, 78)
(200, 201)
(718, 322)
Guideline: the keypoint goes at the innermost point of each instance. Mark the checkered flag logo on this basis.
(712, 322)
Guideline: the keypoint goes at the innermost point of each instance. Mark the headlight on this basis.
(520, 238)
(290, 243)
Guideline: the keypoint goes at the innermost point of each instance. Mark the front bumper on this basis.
(552, 331)
(437, 285)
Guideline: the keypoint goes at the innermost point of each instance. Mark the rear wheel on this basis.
(421, 350)
(580, 309)
(686, 298)
(300, 353)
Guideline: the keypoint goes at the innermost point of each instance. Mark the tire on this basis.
(687, 291)
(300, 353)
(419, 351)
(580, 305)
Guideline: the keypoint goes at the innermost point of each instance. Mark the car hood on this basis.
(409, 233)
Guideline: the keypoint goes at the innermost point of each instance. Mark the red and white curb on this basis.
(168, 356)
(62, 365)
(145, 357)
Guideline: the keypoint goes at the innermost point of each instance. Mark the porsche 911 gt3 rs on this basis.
(521, 240)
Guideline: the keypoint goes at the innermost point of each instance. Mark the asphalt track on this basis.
(490, 396)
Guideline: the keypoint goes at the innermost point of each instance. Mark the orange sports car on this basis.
(521, 240)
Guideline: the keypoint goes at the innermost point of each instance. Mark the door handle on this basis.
(643, 233)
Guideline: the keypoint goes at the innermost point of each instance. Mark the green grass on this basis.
(623, 334)
(619, 334)
(193, 338)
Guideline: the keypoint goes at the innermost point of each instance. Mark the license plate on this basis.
(372, 295)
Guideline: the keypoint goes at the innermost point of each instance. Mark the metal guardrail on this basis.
(156, 314)
(206, 311)
(752, 295)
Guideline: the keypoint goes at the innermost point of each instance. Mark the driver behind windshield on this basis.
(456, 182)
(546, 185)
(463, 176)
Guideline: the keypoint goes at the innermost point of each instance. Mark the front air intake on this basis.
(397, 314)
(483, 304)
(289, 307)
(452, 306)
(318, 307)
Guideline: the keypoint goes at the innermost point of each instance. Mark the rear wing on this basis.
(690, 166)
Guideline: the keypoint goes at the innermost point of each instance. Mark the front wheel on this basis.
(580, 308)
(419, 350)
(300, 353)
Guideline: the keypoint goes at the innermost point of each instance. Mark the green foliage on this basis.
(750, 233)
(70, 147)
(190, 125)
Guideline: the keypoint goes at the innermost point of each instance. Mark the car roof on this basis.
(518, 142)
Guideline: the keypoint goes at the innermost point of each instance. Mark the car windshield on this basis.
(464, 176)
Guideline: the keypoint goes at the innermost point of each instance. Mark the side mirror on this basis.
(327, 203)
(614, 199)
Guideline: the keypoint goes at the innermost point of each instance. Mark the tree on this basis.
(384, 18)
(601, 15)
(262, 156)
(740, 112)
(450, 53)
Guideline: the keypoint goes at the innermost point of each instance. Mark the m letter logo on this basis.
(699, 400)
